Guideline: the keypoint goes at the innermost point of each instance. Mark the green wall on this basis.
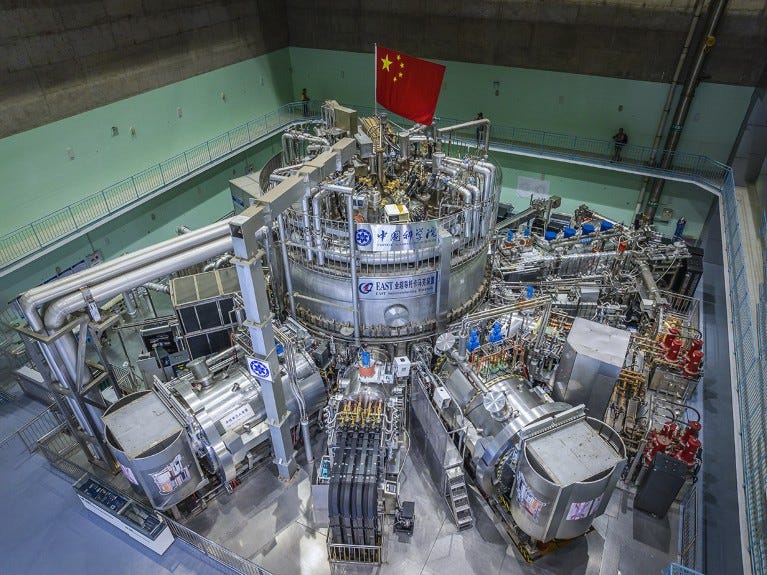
(553, 101)
(195, 203)
(38, 177)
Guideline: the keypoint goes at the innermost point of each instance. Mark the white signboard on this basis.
(532, 188)
(237, 417)
(397, 286)
(259, 368)
(396, 237)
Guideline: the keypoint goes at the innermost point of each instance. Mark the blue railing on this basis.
(677, 569)
(750, 344)
(63, 224)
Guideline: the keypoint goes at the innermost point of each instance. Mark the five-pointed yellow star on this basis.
(385, 62)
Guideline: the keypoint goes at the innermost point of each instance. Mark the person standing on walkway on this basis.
(620, 139)
(480, 130)
(305, 102)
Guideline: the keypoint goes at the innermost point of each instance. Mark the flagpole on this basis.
(375, 78)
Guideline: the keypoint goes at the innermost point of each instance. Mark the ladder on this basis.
(458, 497)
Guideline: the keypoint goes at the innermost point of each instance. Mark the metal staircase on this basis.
(458, 497)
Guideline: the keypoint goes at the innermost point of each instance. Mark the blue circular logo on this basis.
(364, 237)
(259, 369)
(366, 287)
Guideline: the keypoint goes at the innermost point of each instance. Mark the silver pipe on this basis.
(467, 371)
(37, 296)
(353, 253)
(218, 263)
(669, 100)
(130, 307)
(484, 121)
(154, 286)
(317, 217)
(307, 440)
(716, 9)
(285, 263)
(57, 312)
(307, 223)
(468, 199)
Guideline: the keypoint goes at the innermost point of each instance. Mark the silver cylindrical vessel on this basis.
(152, 449)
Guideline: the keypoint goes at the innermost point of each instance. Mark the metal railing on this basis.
(218, 553)
(57, 444)
(677, 569)
(750, 358)
(39, 426)
(688, 532)
(64, 223)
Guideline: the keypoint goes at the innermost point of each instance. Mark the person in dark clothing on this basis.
(305, 102)
(480, 130)
(620, 139)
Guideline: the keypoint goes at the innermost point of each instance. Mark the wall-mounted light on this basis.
(223, 97)
(179, 112)
(497, 87)
(70, 153)
(115, 131)
(132, 131)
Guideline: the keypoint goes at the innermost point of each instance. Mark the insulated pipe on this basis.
(286, 264)
(218, 263)
(305, 199)
(158, 287)
(468, 199)
(353, 253)
(317, 217)
(307, 440)
(130, 307)
(56, 313)
(669, 99)
(483, 122)
(467, 371)
(31, 299)
(716, 9)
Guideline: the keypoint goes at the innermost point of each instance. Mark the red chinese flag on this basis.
(407, 86)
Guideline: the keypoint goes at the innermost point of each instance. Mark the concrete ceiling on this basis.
(61, 58)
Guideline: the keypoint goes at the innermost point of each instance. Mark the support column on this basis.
(247, 261)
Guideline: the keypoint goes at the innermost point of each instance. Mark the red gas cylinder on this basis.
(693, 428)
(622, 247)
(659, 445)
(690, 450)
(692, 366)
(672, 351)
(695, 345)
(669, 337)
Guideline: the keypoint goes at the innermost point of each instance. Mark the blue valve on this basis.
(473, 342)
(365, 359)
(495, 335)
(527, 232)
(510, 236)
(530, 290)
